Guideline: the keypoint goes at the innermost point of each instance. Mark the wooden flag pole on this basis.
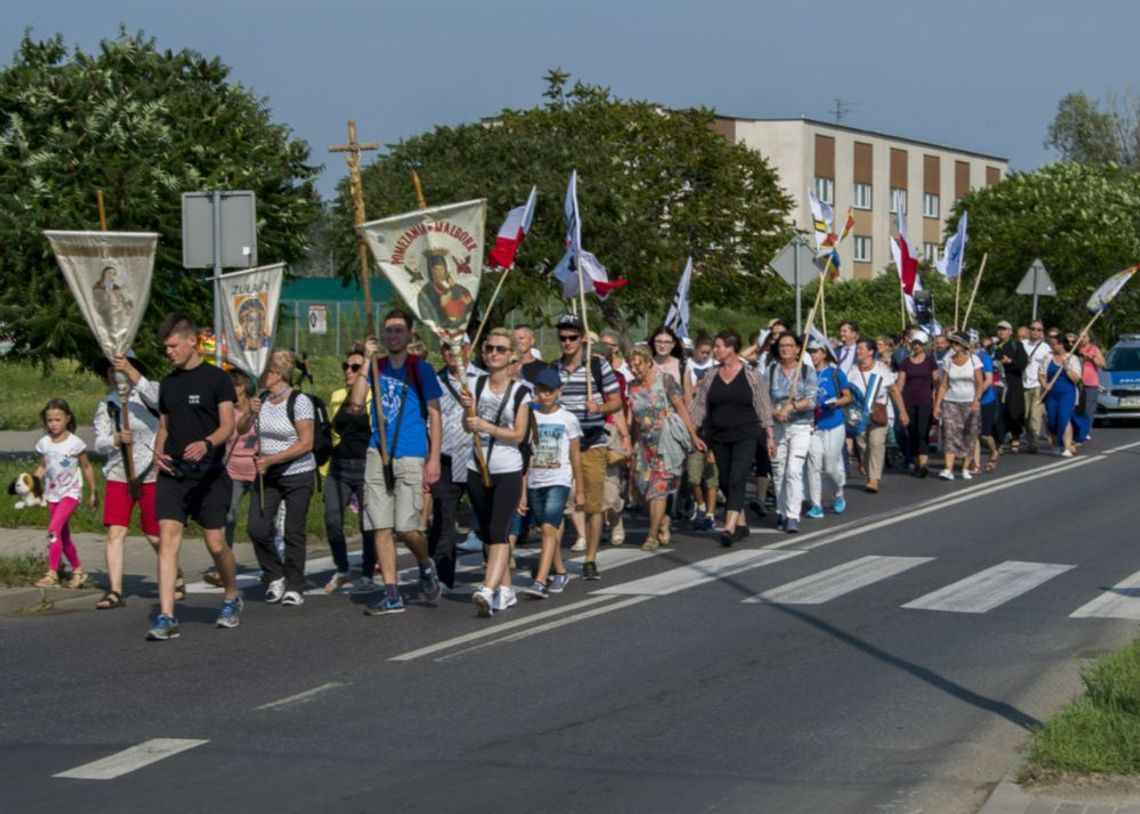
(586, 329)
(487, 313)
(420, 202)
(974, 293)
(1084, 331)
(352, 152)
(957, 293)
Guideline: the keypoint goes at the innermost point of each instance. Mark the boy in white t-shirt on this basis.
(554, 466)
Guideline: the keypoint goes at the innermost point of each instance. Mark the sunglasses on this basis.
(568, 337)
(355, 368)
(497, 348)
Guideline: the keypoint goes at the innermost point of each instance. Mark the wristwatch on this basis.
(209, 445)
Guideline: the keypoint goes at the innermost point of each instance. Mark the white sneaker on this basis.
(504, 598)
(366, 585)
(1068, 453)
(484, 600)
(617, 533)
(579, 545)
(471, 544)
(338, 579)
(967, 474)
(292, 599)
(275, 590)
(946, 474)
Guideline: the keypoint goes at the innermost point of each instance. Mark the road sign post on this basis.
(1037, 282)
(792, 263)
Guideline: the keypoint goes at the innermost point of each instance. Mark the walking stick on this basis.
(487, 313)
(480, 456)
(974, 293)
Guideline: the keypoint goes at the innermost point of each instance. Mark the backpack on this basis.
(322, 427)
(518, 393)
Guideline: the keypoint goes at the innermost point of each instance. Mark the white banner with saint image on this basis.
(249, 315)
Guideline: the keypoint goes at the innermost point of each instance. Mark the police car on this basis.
(1120, 381)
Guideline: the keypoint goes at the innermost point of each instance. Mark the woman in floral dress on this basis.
(657, 459)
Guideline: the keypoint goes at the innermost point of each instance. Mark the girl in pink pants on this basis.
(64, 455)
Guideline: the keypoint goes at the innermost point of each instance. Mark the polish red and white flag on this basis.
(512, 232)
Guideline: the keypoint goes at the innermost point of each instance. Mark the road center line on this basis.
(300, 697)
(130, 760)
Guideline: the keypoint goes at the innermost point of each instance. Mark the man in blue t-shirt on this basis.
(989, 409)
(406, 395)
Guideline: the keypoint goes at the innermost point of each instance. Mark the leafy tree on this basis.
(1081, 220)
(655, 186)
(144, 126)
(1089, 132)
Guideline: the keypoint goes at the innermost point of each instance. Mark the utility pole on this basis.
(352, 152)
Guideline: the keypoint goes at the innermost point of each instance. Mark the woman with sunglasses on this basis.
(792, 386)
(344, 479)
(502, 419)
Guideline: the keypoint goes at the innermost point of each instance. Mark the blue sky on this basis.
(983, 75)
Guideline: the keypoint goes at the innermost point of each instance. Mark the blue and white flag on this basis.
(678, 316)
(595, 277)
(950, 264)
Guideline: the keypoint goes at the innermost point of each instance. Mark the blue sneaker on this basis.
(164, 627)
(385, 606)
(430, 584)
(703, 523)
(815, 512)
(557, 583)
(792, 526)
(839, 506)
(230, 614)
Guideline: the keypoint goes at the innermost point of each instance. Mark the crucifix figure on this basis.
(353, 150)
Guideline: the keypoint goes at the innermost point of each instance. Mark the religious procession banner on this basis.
(109, 274)
(249, 315)
(434, 259)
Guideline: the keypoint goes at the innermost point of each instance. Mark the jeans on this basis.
(241, 488)
(445, 497)
(295, 491)
(826, 455)
(548, 504)
(346, 479)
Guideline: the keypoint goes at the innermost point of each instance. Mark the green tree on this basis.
(1089, 132)
(655, 186)
(1081, 220)
(145, 126)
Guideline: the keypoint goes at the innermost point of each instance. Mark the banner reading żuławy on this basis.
(434, 259)
(109, 275)
(249, 315)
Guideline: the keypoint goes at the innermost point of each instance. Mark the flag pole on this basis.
(902, 301)
(1084, 330)
(420, 202)
(957, 293)
(974, 293)
(586, 330)
(487, 313)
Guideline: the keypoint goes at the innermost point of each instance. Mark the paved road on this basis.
(889, 660)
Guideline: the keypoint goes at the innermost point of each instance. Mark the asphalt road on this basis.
(897, 659)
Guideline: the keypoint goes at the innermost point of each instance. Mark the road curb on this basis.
(1010, 798)
(14, 601)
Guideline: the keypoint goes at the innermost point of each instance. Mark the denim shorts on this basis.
(547, 504)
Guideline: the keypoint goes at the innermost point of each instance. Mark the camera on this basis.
(180, 469)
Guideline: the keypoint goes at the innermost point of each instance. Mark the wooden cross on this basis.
(353, 150)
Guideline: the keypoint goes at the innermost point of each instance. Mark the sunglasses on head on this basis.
(568, 337)
(354, 367)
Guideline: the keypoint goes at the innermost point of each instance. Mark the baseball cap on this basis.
(920, 336)
(570, 322)
(1006, 325)
(547, 378)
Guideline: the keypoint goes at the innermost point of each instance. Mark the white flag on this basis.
(109, 273)
(595, 276)
(249, 302)
(678, 316)
(434, 259)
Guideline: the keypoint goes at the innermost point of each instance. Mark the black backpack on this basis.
(322, 427)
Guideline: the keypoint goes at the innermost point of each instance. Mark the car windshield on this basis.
(1124, 358)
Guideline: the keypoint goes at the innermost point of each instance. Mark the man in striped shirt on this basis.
(591, 414)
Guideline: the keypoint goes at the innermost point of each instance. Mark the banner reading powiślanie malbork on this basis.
(434, 259)
(249, 302)
(109, 274)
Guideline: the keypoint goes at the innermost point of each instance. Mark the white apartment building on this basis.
(867, 171)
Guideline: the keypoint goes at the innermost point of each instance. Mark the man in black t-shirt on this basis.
(196, 418)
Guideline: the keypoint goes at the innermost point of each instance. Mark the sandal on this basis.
(1014, 447)
(48, 580)
(991, 465)
(180, 590)
(78, 577)
(110, 600)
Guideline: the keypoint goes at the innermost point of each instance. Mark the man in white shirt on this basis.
(1037, 349)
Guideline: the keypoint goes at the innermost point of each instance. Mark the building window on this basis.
(897, 195)
(930, 252)
(825, 190)
(862, 196)
(862, 249)
(929, 205)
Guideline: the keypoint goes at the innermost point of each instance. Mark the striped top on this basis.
(574, 399)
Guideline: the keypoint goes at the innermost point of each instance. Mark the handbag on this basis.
(677, 431)
(615, 452)
(879, 414)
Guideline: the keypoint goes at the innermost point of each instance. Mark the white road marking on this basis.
(534, 631)
(496, 628)
(130, 760)
(986, 590)
(835, 582)
(1122, 602)
(1121, 448)
(698, 573)
(300, 697)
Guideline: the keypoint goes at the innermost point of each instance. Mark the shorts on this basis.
(699, 470)
(593, 479)
(118, 505)
(402, 508)
(204, 498)
(548, 504)
(989, 417)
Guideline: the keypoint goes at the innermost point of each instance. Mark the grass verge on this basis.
(22, 571)
(1098, 733)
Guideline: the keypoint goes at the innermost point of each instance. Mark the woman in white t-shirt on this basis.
(502, 408)
(957, 404)
(287, 468)
(881, 397)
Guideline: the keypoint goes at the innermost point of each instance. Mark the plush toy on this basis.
(30, 490)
